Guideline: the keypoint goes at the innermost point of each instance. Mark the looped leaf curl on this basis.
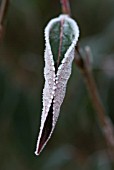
(61, 36)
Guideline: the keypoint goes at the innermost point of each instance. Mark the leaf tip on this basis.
(37, 152)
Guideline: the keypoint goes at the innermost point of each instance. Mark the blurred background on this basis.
(77, 142)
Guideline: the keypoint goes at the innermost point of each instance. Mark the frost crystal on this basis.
(55, 80)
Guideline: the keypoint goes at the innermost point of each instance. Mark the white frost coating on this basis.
(55, 84)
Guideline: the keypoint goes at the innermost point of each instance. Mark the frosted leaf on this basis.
(61, 36)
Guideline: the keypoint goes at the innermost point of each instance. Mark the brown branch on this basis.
(65, 7)
(87, 74)
(84, 65)
(104, 120)
(3, 10)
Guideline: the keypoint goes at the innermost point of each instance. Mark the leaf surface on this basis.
(61, 35)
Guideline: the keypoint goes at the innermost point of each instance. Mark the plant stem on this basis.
(104, 121)
(65, 7)
(3, 11)
(84, 65)
(87, 74)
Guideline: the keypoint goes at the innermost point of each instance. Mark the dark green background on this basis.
(77, 142)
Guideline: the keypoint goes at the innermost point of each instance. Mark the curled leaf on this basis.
(61, 35)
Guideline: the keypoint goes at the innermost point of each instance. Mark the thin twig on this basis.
(65, 7)
(84, 65)
(87, 74)
(3, 10)
(104, 120)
